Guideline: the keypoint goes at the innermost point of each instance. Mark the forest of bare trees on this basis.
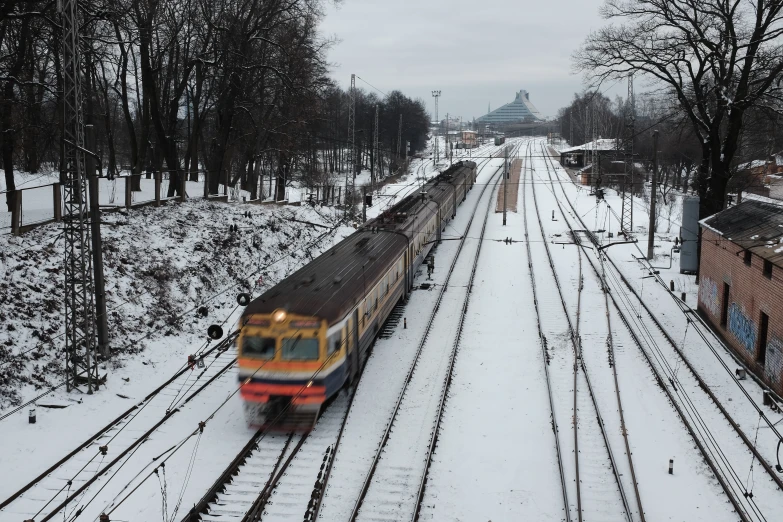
(234, 90)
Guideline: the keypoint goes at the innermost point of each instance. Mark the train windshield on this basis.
(259, 347)
(300, 349)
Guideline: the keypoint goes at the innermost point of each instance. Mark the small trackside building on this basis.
(741, 284)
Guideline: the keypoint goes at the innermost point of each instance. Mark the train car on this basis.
(500, 140)
(302, 340)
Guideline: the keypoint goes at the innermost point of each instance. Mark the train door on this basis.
(353, 346)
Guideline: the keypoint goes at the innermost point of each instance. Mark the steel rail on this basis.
(328, 471)
(229, 473)
(112, 424)
(623, 428)
(387, 432)
(257, 508)
(452, 358)
(136, 443)
(580, 362)
(698, 319)
(659, 377)
(702, 384)
(543, 342)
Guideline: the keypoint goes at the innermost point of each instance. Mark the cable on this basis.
(247, 379)
(701, 424)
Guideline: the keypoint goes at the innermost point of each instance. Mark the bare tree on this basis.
(717, 58)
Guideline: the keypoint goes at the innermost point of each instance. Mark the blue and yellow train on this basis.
(306, 337)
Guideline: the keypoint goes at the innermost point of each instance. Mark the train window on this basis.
(300, 349)
(258, 347)
(335, 341)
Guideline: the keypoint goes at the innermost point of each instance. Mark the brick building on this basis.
(741, 284)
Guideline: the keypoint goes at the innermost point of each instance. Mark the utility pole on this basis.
(653, 196)
(351, 140)
(505, 182)
(375, 153)
(436, 95)
(81, 366)
(571, 129)
(364, 204)
(448, 139)
(97, 246)
(399, 138)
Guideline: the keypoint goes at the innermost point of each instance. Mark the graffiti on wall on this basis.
(708, 295)
(773, 366)
(742, 328)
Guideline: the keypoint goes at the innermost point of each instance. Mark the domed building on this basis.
(521, 109)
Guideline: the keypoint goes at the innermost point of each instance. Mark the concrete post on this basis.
(102, 325)
(653, 197)
(57, 192)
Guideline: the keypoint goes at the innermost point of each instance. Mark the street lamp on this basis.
(436, 95)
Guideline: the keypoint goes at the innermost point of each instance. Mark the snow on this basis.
(665, 305)
(495, 457)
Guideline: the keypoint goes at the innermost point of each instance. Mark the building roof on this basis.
(754, 225)
(754, 164)
(600, 144)
(519, 109)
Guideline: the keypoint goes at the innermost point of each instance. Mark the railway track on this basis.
(272, 478)
(709, 424)
(415, 429)
(603, 497)
(370, 415)
(65, 483)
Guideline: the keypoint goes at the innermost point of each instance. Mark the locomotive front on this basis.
(285, 372)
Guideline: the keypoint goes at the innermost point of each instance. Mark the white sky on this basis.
(476, 52)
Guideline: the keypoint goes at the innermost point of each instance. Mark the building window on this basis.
(761, 352)
(748, 255)
(768, 269)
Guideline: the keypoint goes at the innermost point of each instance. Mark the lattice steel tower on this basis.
(626, 217)
(81, 367)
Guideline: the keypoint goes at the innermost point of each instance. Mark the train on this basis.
(500, 140)
(305, 338)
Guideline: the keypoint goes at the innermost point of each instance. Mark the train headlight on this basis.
(279, 315)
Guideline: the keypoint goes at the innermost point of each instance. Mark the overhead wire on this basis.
(692, 411)
(256, 371)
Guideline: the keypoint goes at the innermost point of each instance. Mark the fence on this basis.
(41, 205)
(37, 213)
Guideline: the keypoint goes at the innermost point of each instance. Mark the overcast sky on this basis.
(476, 52)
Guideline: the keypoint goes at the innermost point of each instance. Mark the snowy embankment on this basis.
(170, 272)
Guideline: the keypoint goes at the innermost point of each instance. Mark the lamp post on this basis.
(436, 95)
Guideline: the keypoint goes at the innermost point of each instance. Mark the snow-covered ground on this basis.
(732, 457)
(495, 458)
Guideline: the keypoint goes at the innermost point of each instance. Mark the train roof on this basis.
(333, 283)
